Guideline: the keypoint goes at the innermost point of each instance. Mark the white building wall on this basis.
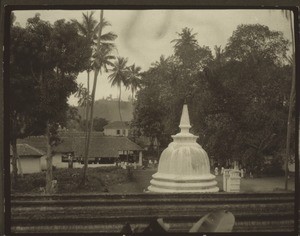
(110, 132)
(43, 163)
(113, 132)
(291, 167)
(34, 165)
(79, 165)
(29, 165)
(56, 161)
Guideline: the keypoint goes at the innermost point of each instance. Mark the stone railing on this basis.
(254, 212)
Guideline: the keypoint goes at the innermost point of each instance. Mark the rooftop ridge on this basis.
(28, 147)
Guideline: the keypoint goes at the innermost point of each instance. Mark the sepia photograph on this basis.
(151, 120)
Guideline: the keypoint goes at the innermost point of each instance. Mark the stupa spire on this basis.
(185, 120)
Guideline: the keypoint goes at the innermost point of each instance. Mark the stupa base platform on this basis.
(193, 184)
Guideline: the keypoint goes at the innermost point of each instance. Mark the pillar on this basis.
(140, 158)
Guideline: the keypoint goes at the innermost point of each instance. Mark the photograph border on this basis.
(8, 6)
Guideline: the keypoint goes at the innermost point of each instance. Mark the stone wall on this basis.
(254, 212)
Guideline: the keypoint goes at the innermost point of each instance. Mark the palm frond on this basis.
(104, 23)
(109, 46)
(110, 36)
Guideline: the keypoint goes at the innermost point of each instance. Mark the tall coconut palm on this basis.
(185, 45)
(89, 29)
(134, 79)
(185, 38)
(107, 38)
(102, 59)
(119, 76)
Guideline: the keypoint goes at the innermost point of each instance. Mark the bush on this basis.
(30, 183)
(273, 170)
(275, 167)
(99, 180)
(39, 182)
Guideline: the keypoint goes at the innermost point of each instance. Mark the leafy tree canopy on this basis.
(238, 98)
(45, 61)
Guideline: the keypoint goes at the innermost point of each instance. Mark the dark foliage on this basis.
(237, 99)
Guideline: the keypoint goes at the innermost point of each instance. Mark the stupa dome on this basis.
(184, 164)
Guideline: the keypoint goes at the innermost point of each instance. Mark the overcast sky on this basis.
(145, 35)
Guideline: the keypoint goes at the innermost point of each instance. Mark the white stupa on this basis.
(184, 164)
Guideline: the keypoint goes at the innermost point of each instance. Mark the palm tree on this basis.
(105, 39)
(185, 45)
(118, 76)
(163, 62)
(134, 79)
(185, 38)
(89, 28)
(83, 95)
(102, 59)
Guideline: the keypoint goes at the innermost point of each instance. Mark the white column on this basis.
(140, 158)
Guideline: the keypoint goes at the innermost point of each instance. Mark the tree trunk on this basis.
(86, 129)
(120, 104)
(89, 130)
(291, 105)
(49, 162)
(132, 94)
(157, 149)
(20, 171)
(20, 166)
(96, 70)
(14, 162)
(88, 81)
(87, 104)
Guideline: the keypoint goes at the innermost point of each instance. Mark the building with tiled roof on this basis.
(27, 150)
(103, 149)
(109, 146)
(109, 149)
(38, 142)
(29, 158)
(117, 128)
(79, 134)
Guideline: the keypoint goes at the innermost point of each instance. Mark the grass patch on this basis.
(98, 180)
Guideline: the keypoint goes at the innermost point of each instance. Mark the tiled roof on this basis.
(117, 125)
(38, 142)
(107, 146)
(78, 134)
(27, 150)
(66, 145)
(100, 146)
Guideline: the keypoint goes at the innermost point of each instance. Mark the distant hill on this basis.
(109, 110)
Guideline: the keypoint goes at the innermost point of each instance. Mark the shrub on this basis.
(275, 167)
(99, 179)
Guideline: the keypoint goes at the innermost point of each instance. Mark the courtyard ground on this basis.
(117, 180)
(141, 180)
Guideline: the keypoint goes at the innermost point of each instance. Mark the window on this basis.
(118, 131)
